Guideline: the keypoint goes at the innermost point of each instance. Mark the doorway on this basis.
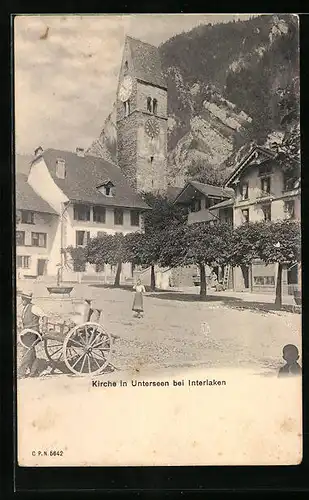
(41, 267)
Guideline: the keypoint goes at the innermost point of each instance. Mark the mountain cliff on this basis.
(224, 86)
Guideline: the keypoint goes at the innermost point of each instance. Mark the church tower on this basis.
(141, 118)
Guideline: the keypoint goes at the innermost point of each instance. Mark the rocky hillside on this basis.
(223, 86)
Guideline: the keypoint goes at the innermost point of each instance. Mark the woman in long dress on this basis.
(138, 299)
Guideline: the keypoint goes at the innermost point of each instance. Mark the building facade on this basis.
(264, 192)
(257, 190)
(36, 226)
(141, 118)
(87, 196)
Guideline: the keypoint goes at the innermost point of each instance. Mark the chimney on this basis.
(38, 151)
(80, 152)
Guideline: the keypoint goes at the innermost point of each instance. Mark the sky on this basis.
(66, 71)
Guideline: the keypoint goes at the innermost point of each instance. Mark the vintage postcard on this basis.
(158, 243)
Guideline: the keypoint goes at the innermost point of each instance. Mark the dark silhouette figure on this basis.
(290, 355)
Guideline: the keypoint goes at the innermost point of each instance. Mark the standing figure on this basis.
(291, 356)
(138, 298)
(32, 318)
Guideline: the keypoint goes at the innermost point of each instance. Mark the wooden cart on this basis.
(83, 349)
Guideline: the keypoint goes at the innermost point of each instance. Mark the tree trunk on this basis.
(202, 281)
(118, 273)
(152, 278)
(278, 301)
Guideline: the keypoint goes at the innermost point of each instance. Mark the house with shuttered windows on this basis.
(88, 197)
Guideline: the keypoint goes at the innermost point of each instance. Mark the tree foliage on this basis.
(79, 258)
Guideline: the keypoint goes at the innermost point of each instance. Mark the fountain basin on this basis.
(62, 290)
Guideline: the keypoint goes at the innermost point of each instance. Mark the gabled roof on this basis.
(27, 199)
(146, 62)
(83, 175)
(248, 160)
(223, 204)
(172, 192)
(188, 192)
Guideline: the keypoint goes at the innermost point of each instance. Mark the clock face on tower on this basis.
(152, 128)
(125, 89)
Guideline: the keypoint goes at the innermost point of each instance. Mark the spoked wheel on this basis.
(54, 349)
(87, 349)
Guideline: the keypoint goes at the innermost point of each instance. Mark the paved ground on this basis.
(178, 330)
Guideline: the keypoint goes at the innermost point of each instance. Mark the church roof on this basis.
(83, 176)
(146, 62)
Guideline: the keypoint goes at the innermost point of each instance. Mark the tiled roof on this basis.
(85, 174)
(27, 199)
(210, 190)
(146, 62)
(223, 204)
(172, 192)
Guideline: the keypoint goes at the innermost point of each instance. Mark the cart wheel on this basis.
(53, 349)
(87, 349)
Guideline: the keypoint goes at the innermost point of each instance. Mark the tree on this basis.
(78, 256)
(107, 249)
(280, 242)
(159, 223)
(273, 242)
(144, 249)
(200, 244)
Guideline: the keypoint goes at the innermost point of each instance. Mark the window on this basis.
(60, 168)
(265, 185)
(126, 105)
(23, 261)
(289, 182)
(267, 212)
(149, 104)
(289, 209)
(81, 212)
(134, 218)
(155, 106)
(264, 280)
(27, 217)
(38, 239)
(108, 188)
(265, 169)
(99, 214)
(126, 67)
(245, 216)
(196, 206)
(82, 238)
(20, 238)
(99, 268)
(118, 216)
(151, 159)
(244, 191)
